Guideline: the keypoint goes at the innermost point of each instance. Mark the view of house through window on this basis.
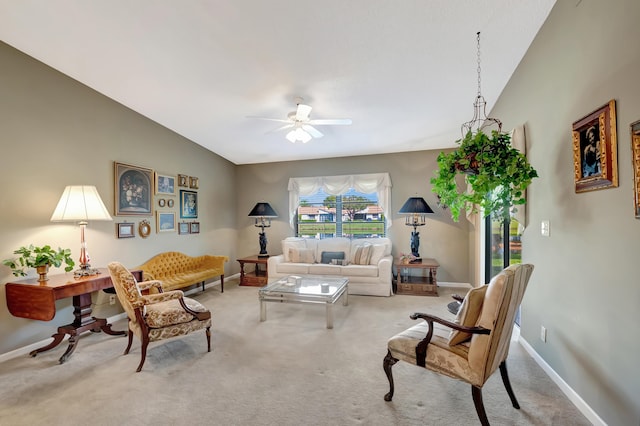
(352, 215)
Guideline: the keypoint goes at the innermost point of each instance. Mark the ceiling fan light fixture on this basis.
(291, 136)
(303, 136)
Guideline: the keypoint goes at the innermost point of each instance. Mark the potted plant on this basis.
(40, 258)
(496, 176)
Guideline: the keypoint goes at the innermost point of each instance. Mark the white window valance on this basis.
(380, 183)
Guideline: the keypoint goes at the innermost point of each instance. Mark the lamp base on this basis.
(85, 270)
(263, 255)
(416, 260)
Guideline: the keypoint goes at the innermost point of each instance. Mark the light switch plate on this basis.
(544, 228)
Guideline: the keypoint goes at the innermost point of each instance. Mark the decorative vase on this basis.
(42, 270)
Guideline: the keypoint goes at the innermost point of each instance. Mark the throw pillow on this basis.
(327, 256)
(468, 314)
(301, 255)
(377, 253)
(361, 254)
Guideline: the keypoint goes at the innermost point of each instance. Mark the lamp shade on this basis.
(80, 203)
(263, 210)
(415, 205)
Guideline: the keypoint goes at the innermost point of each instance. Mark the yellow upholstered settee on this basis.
(177, 270)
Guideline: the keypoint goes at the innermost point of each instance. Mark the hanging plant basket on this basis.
(495, 176)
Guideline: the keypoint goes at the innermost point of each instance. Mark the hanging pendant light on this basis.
(480, 119)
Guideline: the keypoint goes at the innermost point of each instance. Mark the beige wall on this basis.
(440, 238)
(585, 289)
(56, 132)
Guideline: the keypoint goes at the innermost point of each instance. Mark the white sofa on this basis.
(302, 256)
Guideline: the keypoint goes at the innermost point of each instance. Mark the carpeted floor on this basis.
(289, 370)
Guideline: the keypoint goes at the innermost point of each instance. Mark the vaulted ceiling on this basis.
(405, 71)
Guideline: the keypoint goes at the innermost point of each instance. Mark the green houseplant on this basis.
(496, 175)
(40, 258)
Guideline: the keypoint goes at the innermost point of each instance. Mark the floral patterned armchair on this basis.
(159, 315)
(475, 345)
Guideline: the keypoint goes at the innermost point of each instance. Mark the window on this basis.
(353, 214)
(355, 206)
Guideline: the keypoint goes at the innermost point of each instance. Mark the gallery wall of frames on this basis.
(147, 199)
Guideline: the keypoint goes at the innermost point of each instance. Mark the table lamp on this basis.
(416, 209)
(81, 204)
(263, 213)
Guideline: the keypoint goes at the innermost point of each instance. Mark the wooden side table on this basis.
(423, 284)
(259, 276)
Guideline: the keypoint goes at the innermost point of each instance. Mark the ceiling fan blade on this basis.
(279, 120)
(286, 126)
(329, 121)
(312, 131)
(302, 113)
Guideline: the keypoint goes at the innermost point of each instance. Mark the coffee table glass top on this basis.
(307, 285)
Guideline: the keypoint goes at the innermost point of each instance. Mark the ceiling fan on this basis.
(302, 126)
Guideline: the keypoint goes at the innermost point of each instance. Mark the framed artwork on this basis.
(635, 158)
(193, 182)
(170, 203)
(183, 228)
(183, 181)
(125, 230)
(595, 150)
(194, 228)
(188, 204)
(133, 190)
(165, 221)
(165, 184)
(144, 228)
(162, 202)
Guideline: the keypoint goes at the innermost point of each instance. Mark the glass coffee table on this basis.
(305, 289)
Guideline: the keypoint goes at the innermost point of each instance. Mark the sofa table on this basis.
(32, 299)
(423, 284)
(259, 276)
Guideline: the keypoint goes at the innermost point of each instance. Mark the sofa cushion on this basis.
(377, 253)
(291, 242)
(302, 255)
(361, 254)
(468, 314)
(293, 268)
(324, 269)
(328, 256)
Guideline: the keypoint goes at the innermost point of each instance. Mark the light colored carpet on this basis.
(289, 370)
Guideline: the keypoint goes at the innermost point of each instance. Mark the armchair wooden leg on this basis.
(130, 335)
(507, 384)
(388, 362)
(143, 356)
(477, 401)
(208, 331)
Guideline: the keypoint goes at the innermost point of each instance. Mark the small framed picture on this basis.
(165, 184)
(635, 158)
(183, 181)
(188, 204)
(162, 202)
(193, 182)
(183, 228)
(170, 203)
(595, 150)
(125, 230)
(194, 227)
(165, 221)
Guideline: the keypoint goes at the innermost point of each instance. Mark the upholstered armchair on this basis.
(159, 315)
(473, 347)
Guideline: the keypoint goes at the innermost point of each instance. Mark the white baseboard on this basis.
(455, 285)
(573, 396)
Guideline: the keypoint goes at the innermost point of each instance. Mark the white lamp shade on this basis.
(80, 203)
